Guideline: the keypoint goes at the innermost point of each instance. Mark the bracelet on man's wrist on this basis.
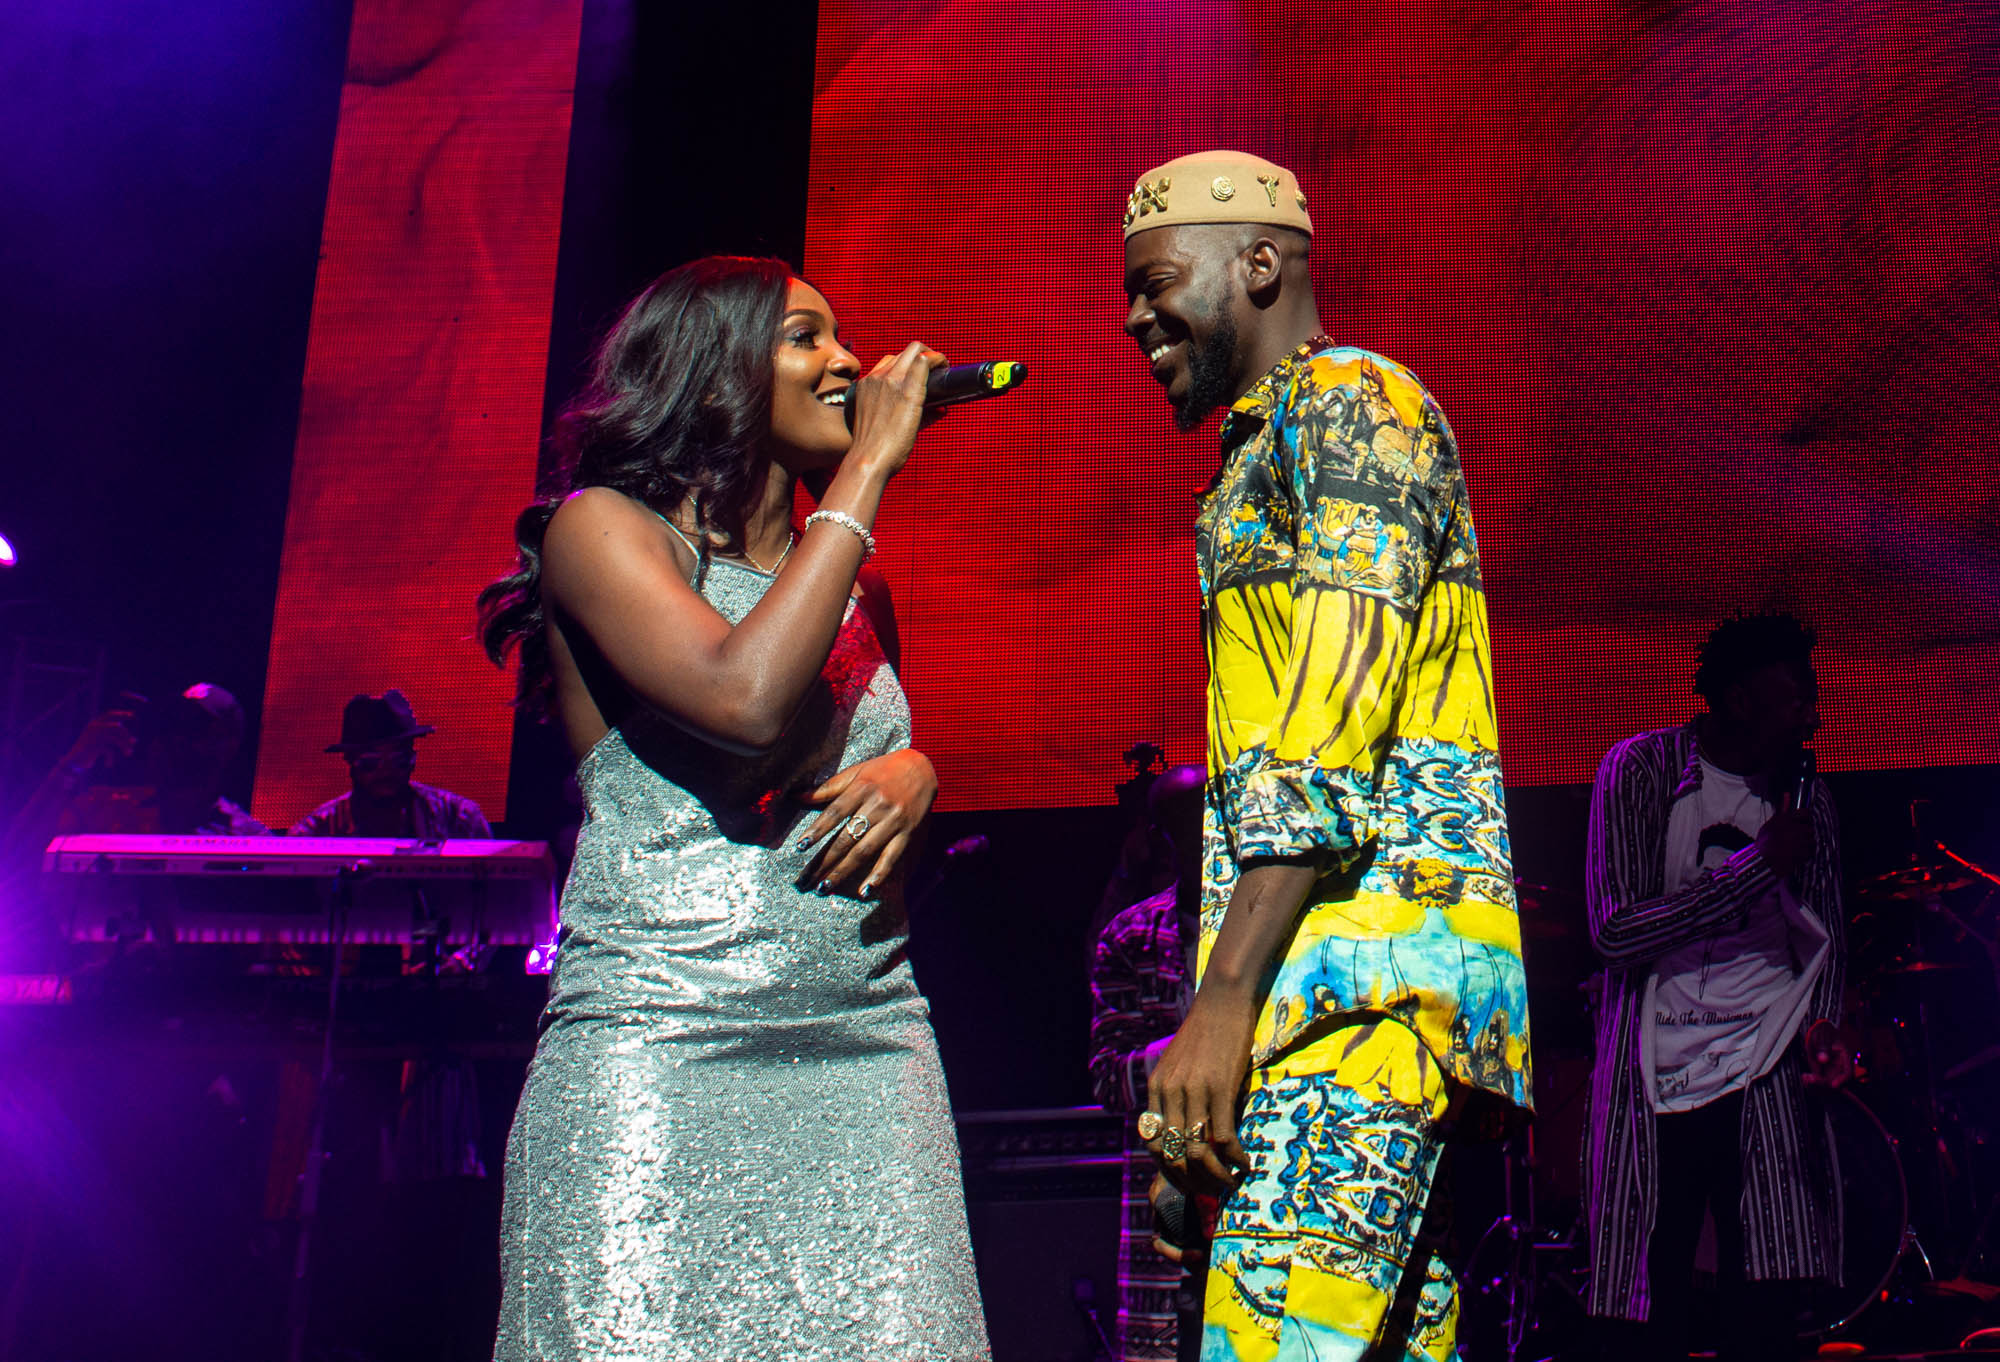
(851, 525)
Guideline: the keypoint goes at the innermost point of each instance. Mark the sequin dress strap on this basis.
(700, 558)
(677, 532)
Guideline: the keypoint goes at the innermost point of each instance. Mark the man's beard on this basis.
(1208, 374)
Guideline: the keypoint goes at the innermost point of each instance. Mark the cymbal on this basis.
(1914, 884)
(1984, 1057)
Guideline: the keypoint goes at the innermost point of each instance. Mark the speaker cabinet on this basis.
(1042, 1193)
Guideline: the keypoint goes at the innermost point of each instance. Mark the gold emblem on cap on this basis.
(1302, 203)
(1270, 183)
(1147, 198)
(1221, 188)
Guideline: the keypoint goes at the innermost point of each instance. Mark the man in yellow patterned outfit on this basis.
(1361, 997)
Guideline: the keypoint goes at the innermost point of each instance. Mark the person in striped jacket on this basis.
(1141, 981)
(1713, 880)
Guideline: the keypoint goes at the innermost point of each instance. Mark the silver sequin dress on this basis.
(735, 1141)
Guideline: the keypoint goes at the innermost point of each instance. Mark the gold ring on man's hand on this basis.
(1174, 1143)
(1197, 1132)
(857, 826)
(1151, 1123)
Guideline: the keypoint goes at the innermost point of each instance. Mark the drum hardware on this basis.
(1876, 1234)
(1915, 884)
(1966, 1066)
(1535, 1259)
(1967, 865)
(1878, 1240)
(1928, 885)
(1908, 976)
(1978, 1243)
(1521, 1269)
(1978, 874)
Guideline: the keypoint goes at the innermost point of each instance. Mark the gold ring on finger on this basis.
(857, 826)
(1151, 1123)
(1174, 1143)
(1197, 1132)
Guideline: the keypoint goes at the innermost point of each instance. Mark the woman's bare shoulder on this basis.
(598, 510)
(596, 527)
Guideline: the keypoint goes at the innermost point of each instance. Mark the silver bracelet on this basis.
(849, 523)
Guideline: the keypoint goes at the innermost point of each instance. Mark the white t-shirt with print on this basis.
(1720, 1012)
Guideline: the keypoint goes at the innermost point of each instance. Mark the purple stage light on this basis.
(7, 555)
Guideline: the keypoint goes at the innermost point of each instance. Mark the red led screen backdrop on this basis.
(1708, 292)
(423, 386)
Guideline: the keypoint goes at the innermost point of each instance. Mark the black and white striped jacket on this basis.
(1791, 1204)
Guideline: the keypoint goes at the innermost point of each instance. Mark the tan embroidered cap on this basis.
(1217, 186)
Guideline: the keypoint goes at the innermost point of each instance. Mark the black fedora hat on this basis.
(369, 721)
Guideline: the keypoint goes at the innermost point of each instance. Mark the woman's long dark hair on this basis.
(677, 408)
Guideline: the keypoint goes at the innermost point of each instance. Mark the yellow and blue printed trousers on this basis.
(1311, 1253)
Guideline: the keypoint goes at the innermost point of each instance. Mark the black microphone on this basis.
(1172, 1215)
(970, 382)
(1802, 779)
(961, 383)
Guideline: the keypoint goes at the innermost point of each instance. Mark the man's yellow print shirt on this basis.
(1350, 714)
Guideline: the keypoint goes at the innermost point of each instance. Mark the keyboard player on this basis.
(378, 741)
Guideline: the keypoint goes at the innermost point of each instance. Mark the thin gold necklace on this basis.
(772, 570)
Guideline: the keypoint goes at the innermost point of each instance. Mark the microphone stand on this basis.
(298, 1304)
(1083, 1293)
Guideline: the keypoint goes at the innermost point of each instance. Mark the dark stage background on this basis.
(1707, 290)
(166, 173)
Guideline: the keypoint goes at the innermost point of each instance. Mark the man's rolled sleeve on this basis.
(1363, 546)
(1295, 811)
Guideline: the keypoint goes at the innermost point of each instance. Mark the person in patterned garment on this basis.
(136, 768)
(1361, 998)
(148, 769)
(1141, 979)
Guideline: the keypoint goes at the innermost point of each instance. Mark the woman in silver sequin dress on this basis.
(734, 1141)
